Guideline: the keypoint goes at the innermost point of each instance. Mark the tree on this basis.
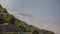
(0, 5)
(12, 20)
(5, 10)
(35, 32)
(2, 21)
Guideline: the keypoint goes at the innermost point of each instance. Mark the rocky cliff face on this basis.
(16, 24)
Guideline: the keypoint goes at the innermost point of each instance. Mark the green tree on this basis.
(35, 32)
(2, 21)
(12, 20)
(0, 6)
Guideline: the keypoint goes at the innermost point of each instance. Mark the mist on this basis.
(45, 23)
(40, 13)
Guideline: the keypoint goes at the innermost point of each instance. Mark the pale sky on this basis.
(46, 13)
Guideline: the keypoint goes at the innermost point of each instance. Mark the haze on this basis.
(46, 13)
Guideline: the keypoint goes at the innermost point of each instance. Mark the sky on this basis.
(45, 13)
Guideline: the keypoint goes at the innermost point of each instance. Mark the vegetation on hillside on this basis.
(5, 17)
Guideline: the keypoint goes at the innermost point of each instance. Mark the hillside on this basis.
(18, 25)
